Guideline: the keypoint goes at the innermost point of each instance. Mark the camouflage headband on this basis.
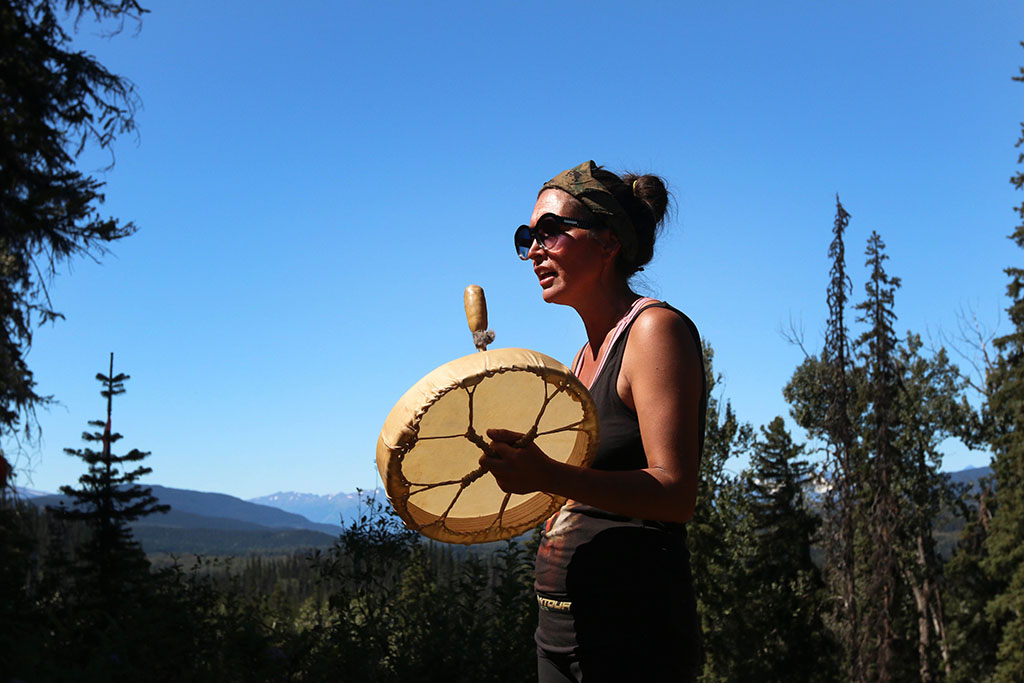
(591, 185)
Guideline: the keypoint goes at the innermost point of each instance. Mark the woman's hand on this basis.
(518, 469)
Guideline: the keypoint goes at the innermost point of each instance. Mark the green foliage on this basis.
(825, 397)
(973, 636)
(381, 605)
(54, 101)
(786, 600)
(400, 610)
(162, 540)
(880, 571)
(107, 500)
(19, 622)
(930, 407)
(882, 413)
(1004, 544)
(716, 531)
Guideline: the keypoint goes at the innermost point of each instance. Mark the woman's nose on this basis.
(536, 252)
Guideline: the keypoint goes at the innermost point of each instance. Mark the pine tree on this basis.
(108, 499)
(21, 621)
(784, 613)
(842, 460)
(973, 638)
(54, 102)
(1005, 541)
(882, 413)
(877, 349)
(825, 395)
(717, 536)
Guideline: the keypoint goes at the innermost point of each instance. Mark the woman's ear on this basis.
(610, 245)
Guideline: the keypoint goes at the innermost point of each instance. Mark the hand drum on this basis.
(432, 440)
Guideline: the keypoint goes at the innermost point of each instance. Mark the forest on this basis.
(793, 581)
(823, 560)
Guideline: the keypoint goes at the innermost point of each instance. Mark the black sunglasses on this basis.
(547, 233)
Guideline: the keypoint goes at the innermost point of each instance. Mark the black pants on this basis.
(633, 614)
(555, 668)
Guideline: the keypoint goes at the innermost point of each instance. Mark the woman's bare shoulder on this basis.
(657, 328)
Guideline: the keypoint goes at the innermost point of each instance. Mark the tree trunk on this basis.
(924, 631)
(939, 621)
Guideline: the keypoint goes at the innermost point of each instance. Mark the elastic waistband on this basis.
(598, 513)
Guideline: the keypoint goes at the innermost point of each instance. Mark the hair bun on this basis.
(650, 189)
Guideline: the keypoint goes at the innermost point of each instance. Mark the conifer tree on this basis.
(825, 396)
(973, 637)
(1005, 542)
(784, 612)
(108, 499)
(54, 102)
(882, 413)
(842, 460)
(717, 535)
(877, 349)
(20, 620)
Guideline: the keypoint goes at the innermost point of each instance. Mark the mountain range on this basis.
(207, 523)
(201, 509)
(970, 475)
(333, 508)
(218, 524)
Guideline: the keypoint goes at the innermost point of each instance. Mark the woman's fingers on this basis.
(504, 435)
(498, 454)
(516, 468)
(503, 450)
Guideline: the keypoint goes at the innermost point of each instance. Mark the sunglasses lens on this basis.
(548, 230)
(524, 240)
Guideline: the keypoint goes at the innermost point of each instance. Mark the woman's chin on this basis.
(549, 294)
(553, 295)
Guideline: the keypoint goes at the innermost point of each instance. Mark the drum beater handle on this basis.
(476, 316)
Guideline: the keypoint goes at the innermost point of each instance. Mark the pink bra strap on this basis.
(632, 313)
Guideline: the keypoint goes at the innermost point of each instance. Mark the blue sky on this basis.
(316, 182)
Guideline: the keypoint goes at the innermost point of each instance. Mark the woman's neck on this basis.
(602, 312)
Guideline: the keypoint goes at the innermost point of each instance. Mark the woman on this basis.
(613, 577)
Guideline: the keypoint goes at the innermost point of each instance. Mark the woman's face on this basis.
(571, 270)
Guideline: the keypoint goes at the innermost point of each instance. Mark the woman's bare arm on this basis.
(662, 380)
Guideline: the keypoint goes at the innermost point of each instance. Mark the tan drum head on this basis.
(432, 440)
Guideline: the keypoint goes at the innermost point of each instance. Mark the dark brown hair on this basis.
(646, 199)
